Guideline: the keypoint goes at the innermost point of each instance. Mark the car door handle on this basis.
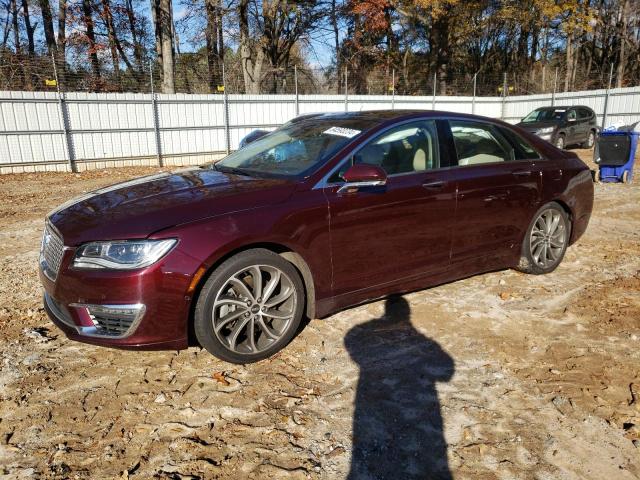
(437, 185)
(521, 173)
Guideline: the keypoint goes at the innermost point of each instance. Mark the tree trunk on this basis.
(47, 25)
(91, 37)
(155, 16)
(137, 46)
(336, 39)
(165, 25)
(213, 53)
(251, 67)
(16, 27)
(568, 62)
(623, 40)
(28, 27)
(111, 35)
(61, 45)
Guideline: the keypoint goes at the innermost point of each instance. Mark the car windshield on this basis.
(295, 149)
(545, 115)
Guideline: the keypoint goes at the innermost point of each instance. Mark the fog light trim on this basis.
(110, 321)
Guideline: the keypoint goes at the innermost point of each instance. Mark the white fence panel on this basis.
(184, 128)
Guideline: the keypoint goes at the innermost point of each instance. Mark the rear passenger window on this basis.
(521, 148)
(478, 143)
(584, 113)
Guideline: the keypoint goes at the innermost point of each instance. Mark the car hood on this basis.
(140, 207)
(533, 126)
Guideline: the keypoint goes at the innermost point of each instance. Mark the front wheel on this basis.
(546, 240)
(250, 307)
(560, 141)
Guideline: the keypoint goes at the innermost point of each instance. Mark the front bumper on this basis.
(141, 309)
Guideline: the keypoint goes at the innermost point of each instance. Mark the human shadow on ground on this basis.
(397, 424)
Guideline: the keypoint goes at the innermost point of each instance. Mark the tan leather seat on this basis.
(419, 160)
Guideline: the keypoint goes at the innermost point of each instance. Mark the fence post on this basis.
(295, 80)
(227, 137)
(503, 114)
(433, 99)
(393, 89)
(606, 99)
(346, 89)
(64, 119)
(156, 118)
(473, 99)
(555, 83)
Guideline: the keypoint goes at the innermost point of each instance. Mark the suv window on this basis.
(408, 148)
(571, 115)
(584, 113)
(522, 150)
(478, 143)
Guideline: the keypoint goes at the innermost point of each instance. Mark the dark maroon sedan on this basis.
(328, 211)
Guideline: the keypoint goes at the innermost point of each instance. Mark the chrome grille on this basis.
(51, 252)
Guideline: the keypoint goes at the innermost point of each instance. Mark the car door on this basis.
(573, 127)
(584, 120)
(498, 188)
(401, 230)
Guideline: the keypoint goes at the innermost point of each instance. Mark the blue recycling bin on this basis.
(614, 154)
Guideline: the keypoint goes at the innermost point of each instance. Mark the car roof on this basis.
(563, 107)
(372, 118)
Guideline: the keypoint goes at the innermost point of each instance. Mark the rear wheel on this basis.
(250, 307)
(560, 141)
(625, 177)
(546, 240)
(591, 139)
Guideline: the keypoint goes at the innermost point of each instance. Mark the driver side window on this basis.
(408, 148)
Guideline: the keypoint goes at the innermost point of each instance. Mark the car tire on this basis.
(250, 307)
(590, 141)
(560, 141)
(543, 247)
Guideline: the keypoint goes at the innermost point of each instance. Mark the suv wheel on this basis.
(250, 307)
(560, 141)
(591, 139)
(546, 240)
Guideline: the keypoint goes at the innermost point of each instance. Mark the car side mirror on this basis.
(572, 119)
(362, 175)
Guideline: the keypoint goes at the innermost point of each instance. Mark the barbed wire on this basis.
(193, 75)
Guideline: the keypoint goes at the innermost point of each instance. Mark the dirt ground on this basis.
(524, 377)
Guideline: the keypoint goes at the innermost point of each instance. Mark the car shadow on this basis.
(397, 424)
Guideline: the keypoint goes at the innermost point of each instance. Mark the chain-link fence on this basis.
(193, 74)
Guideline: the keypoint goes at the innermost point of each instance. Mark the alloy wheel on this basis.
(254, 309)
(548, 238)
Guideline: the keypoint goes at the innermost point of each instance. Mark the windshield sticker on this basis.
(342, 132)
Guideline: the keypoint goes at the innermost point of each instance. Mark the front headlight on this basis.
(122, 254)
(542, 131)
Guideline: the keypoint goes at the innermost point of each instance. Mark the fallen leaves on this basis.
(220, 378)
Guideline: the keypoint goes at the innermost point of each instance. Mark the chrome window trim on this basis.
(324, 181)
